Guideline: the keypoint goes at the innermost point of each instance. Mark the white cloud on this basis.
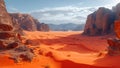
(68, 14)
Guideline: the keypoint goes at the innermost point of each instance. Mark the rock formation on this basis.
(116, 10)
(28, 23)
(114, 44)
(100, 22)
(7, 34)
(17, 27)
(41, 26)
(10, 39)
(25, 21)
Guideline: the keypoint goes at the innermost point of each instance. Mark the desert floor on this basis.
(65, 50)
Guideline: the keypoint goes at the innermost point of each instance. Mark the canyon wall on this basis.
(27, 22)
(101, 22)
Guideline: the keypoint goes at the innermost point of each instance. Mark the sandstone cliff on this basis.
(27, 22)
(10, 39)
(100, 22)
(114, 43)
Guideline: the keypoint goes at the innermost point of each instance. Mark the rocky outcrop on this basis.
(114, 44)
(43, 27)
(17, 27)
(27, 22)
(100, 22)
(10, 39)
(7, 34)
(116, 10)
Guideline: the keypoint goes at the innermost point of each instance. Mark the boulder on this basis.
(114, 47)
(12, 45)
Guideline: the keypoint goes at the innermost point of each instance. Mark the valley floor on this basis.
(65, 50)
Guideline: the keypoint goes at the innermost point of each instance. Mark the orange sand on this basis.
(65, 50)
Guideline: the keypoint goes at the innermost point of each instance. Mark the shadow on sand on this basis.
(70, 43)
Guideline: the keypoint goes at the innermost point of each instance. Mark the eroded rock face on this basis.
(17, 27)
(10, 39)
(43, 27)
(116, 9)
(114, 44)
(100, 22)
(5, 27)
(4, 16)
(117, 28)
(7, 34)
(27, 22)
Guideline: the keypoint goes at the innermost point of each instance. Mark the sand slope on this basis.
(65, 50)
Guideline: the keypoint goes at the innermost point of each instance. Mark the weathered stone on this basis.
(10, 37)
(117, 28)
(4, 16)
(28, 56)
(6, 35)
(100, 22)
(12, 45)
(27, 22)
(5, 27)
(114, 44)
(114, 47)
(43, 27)
(2, 45)
(17, 27)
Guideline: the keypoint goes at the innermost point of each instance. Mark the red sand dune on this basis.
(66, 50)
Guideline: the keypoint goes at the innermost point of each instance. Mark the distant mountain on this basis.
(66, 27)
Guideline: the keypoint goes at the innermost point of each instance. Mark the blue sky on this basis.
(58, 11)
